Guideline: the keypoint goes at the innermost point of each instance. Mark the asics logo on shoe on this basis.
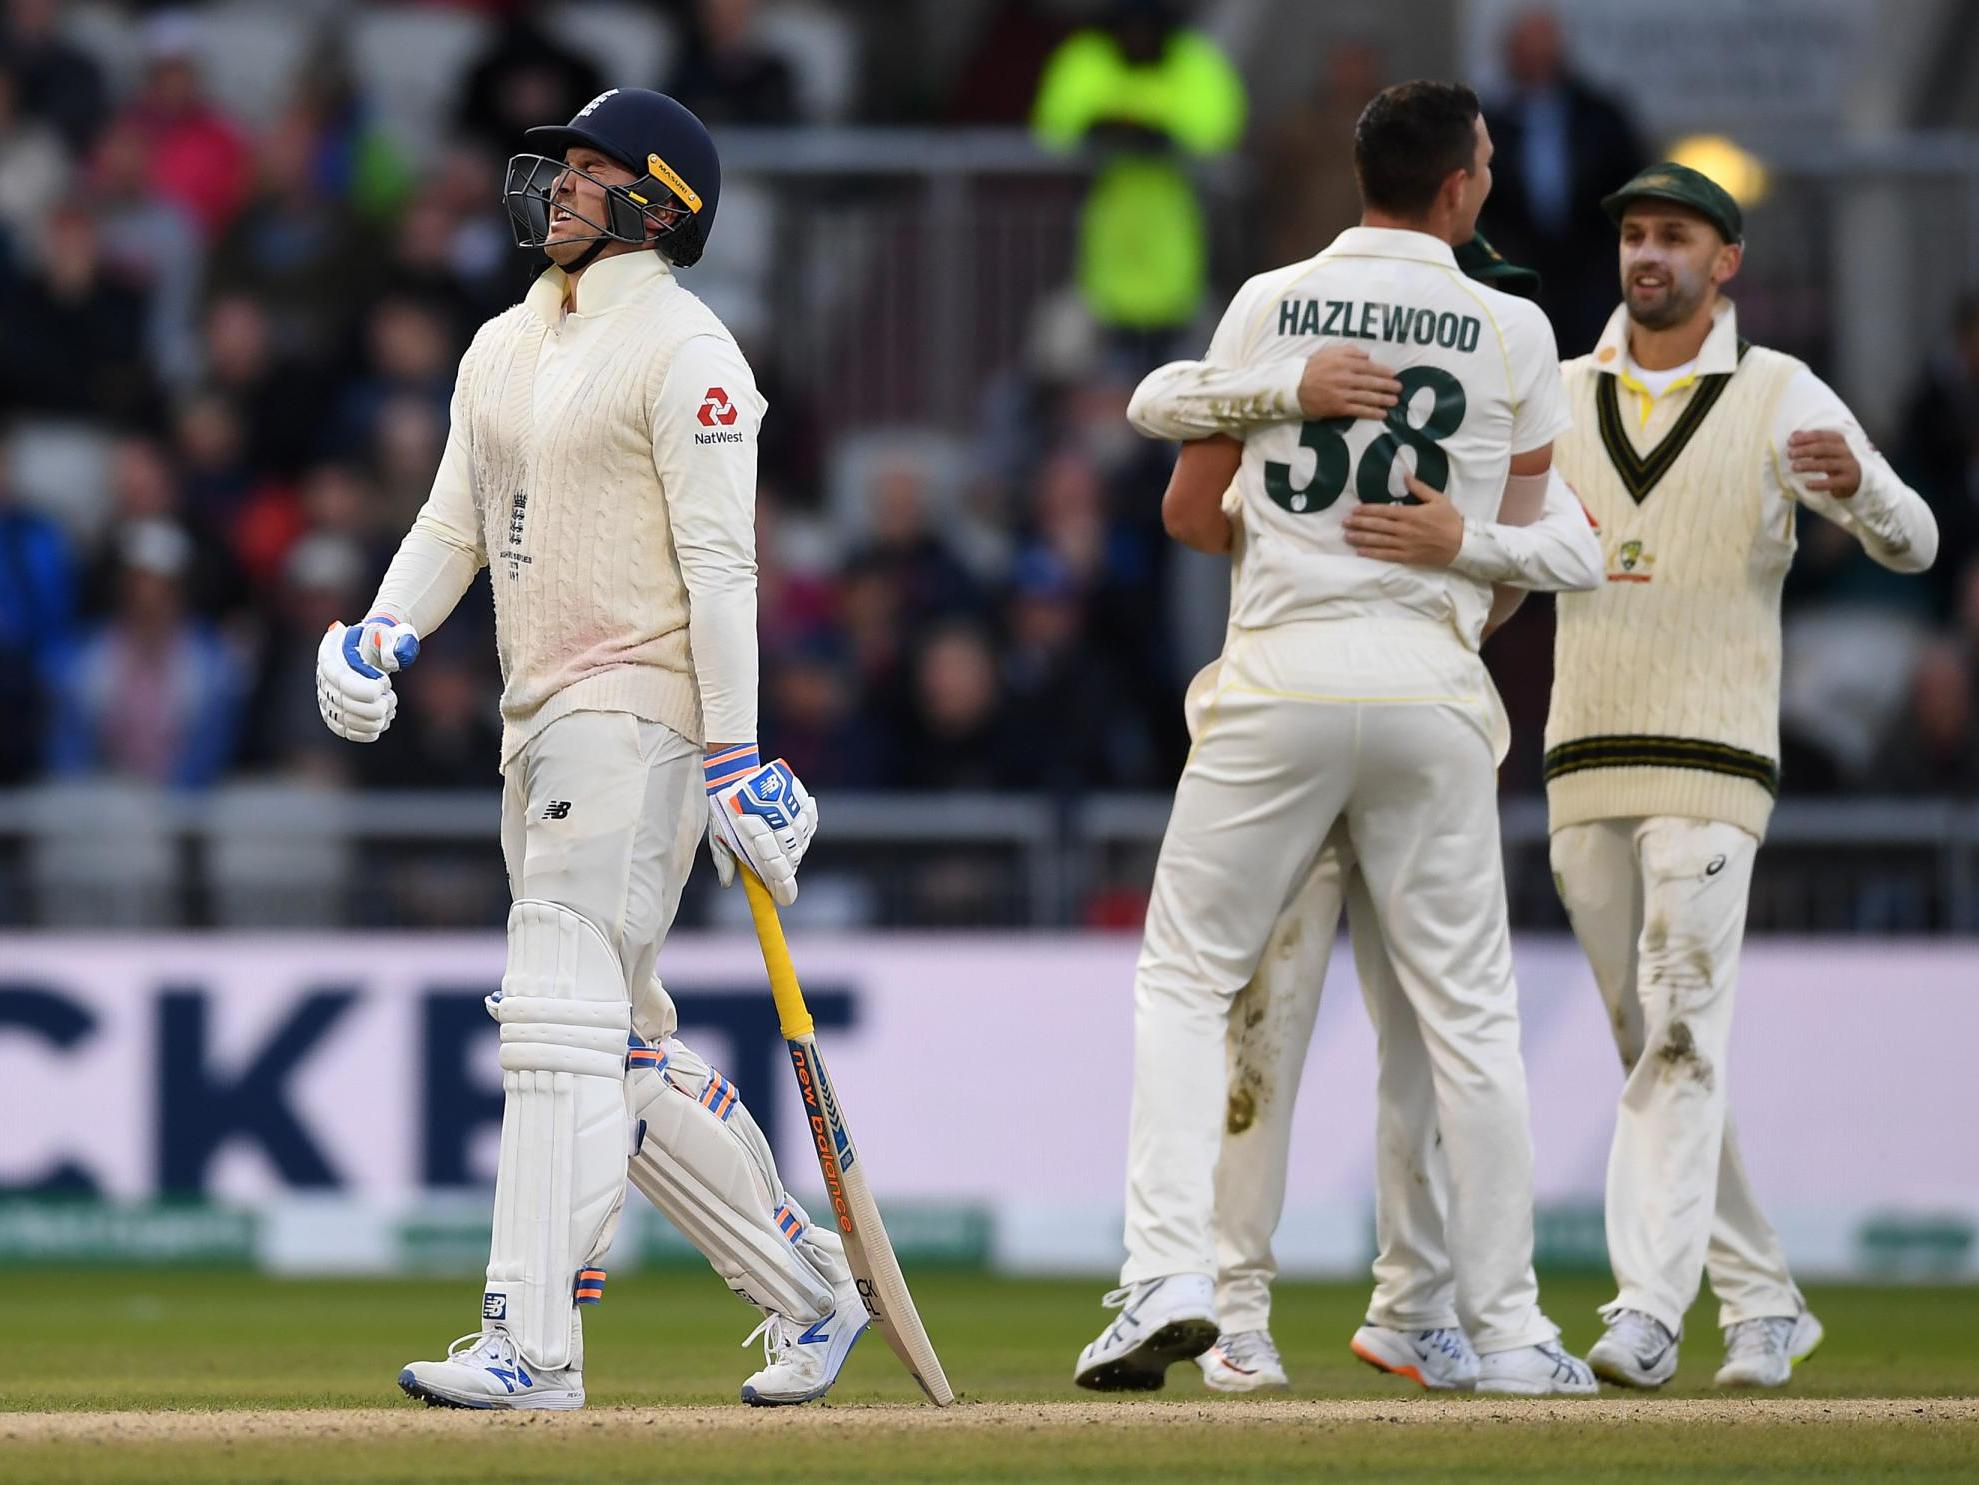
(1139, 1300)
(1129, 1300)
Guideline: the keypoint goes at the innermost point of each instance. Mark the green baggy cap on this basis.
(1679, 183)
(1480, 260)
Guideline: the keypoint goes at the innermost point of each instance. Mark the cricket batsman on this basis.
(602, 461)
(1351, 691)
(1411, 1328)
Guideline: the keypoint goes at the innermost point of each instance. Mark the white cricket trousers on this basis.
(602, 813)
(1385, 725)
(1658, 905)
(1270, 1034)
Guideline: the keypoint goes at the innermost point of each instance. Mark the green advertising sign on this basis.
(70, 1231)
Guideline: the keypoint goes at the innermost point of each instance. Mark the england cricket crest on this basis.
(512, 554)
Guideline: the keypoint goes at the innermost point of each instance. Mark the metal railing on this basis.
(261, 855)
(904, 266)
(898, 269)
(1845, 866)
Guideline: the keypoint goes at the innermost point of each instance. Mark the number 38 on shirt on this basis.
(1441, 414)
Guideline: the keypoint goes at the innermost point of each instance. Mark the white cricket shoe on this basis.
(1439, 1360)
(1535, 1371)
(1637, 1350)
(1244, 1362)
(484, 1370)
(1162, 1321)
(1763, 1353)
(804, 1360)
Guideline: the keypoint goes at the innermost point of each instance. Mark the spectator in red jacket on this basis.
(198, 156)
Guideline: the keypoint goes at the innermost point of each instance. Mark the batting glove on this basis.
(760, 815)
(354, 666)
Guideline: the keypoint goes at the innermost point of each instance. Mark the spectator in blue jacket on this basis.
(153, 693)
(37, 617)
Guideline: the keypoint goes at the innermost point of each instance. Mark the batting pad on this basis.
(714, 1179)
(562, 1175)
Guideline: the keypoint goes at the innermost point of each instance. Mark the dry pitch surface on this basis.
(219, 1378)
(794, 1426)
(1409, 1438)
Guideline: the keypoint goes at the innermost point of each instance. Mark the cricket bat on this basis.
(881, 1284)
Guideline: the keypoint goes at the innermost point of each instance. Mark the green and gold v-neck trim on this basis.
(1640, 473)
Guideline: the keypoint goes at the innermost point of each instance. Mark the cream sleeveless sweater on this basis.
(1666, 679)
(591, 612)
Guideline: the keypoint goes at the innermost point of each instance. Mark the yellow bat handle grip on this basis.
(793, 1016)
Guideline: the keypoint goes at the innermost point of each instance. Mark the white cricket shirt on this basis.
(1481, 382)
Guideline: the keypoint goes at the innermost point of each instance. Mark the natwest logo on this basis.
(716, 408)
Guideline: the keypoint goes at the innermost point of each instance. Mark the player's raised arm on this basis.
(435, 562)
(1187, 400)
(1240, 384)
(705, 426)
(1824, 460)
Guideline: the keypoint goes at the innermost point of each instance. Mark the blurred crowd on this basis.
(226, 352)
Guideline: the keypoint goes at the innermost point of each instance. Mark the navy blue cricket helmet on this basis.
(660, 140)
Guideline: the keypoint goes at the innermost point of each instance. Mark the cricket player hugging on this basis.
(1351, 692)
(1695, 450)
(1412, 1327)
(602, 460)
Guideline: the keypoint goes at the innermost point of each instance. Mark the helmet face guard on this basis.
(529, 194)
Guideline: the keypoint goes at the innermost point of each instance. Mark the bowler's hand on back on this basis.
(1344, 381)
(1427, 534)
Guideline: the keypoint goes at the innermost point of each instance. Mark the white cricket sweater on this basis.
(603, 462)
(1666, 679)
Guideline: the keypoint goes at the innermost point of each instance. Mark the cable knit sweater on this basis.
(602, 462)
(1666, 679)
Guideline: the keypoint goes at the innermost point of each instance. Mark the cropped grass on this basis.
(210, 1350)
